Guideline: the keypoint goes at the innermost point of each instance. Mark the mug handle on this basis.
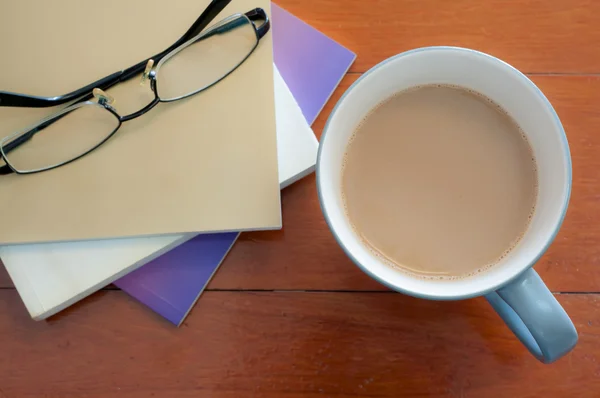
(530, 310)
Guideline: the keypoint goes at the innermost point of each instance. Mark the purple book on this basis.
(171, 284)
(312, 65)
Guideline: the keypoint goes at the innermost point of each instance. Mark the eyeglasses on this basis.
(194, 63)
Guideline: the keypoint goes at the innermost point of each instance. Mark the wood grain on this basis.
(240, 344)
(349, 343)
(536, 36)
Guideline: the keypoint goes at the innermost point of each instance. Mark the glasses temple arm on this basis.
(5, 169)
(6, 149)
(32, 101)
(257, 15)
(14, 144)
(85, 93)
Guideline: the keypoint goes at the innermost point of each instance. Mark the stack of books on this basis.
(164, 251)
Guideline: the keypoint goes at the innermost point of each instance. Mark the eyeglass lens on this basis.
(62, 138)
(206, 60)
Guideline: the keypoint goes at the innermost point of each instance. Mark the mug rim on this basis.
(564, 205)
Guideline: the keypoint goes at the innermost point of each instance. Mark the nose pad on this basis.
(146, 74)
(102, 97)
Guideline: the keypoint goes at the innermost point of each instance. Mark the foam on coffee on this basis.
(457, 121)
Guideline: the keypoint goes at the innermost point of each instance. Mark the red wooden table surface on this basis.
(288, 315)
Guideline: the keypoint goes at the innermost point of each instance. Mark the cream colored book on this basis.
(52, 276)
(180, 168)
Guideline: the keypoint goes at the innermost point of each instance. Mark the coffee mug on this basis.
(512, 287)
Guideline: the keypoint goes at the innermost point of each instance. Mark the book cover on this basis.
(180, 168)
(171, 284)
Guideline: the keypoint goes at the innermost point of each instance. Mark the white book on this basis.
(52, 276)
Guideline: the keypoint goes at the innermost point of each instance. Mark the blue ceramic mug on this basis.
(512, 287)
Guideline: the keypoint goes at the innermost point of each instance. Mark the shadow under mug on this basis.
(512, 287)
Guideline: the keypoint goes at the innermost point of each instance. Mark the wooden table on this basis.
(288, 315)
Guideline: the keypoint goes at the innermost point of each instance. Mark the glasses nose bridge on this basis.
(148, 74)
(142, 111)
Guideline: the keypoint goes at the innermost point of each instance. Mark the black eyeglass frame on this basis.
(84, 94)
